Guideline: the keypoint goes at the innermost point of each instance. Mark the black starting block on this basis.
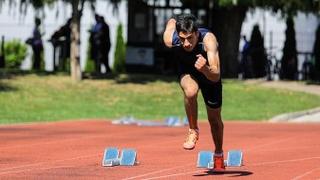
(234, 159)
(128, 157)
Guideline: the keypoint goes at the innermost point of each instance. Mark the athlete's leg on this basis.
(216, 125)
(212, 95)
(190, 89)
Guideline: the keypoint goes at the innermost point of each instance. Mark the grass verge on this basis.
(44, 97)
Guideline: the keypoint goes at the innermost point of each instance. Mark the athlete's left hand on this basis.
(201, 63)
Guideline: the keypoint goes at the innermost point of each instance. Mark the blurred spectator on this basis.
(245, 61)
(61, 40)
(100, 44)
(36, 43)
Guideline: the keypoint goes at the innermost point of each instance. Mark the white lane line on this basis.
(31, 169)
(51, 142)
(284, 161)
(30, 166)
(159, 171)
(268, 144)
(305, 174)
(10, 170)
(171, 175)
(257, 164)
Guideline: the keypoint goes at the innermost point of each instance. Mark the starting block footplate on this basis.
(234, 159)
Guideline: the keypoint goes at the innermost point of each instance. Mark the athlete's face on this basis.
(188, 40)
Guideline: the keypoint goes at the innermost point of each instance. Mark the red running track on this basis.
(74, 150)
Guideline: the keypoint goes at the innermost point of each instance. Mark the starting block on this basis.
(128, 157)
(171, 121)
(110, 157)
(234, 159)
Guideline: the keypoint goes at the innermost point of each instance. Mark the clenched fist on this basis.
(200, 64)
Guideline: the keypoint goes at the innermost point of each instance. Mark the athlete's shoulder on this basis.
(203, 33)
(207, 35)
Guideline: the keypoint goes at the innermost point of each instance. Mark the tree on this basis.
(289, 62)
(76, 74)
(120, 52)
(15, 52)
(316, 53)
(257, 53)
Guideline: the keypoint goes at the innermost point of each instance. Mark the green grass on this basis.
(36, 98)
(253, 102)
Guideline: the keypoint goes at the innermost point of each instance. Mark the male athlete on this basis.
(199, 68)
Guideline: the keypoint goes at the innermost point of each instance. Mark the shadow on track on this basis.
(233, 173)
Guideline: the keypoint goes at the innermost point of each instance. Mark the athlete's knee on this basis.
(190, 93)
(215, 119)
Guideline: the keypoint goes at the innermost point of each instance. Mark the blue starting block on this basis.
(234, 159)
(171, 121)
(185, 121)
(128, 157)
(110, 157)
(205, 158)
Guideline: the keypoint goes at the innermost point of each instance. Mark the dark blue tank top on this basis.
(187, 59)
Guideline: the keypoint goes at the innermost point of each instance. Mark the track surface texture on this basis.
(74, 150)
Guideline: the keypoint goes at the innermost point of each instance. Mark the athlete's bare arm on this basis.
(212, 72)
(168, 33)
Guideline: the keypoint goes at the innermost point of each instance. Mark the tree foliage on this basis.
(289, 60)
(40, 4)
(120, 52)
(286, 6)
(15, 52)
(257, 53)
(316, 52)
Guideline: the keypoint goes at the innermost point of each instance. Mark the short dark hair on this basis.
(186, 23)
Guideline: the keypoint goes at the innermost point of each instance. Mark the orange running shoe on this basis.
(219, 163)
(191, 140)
